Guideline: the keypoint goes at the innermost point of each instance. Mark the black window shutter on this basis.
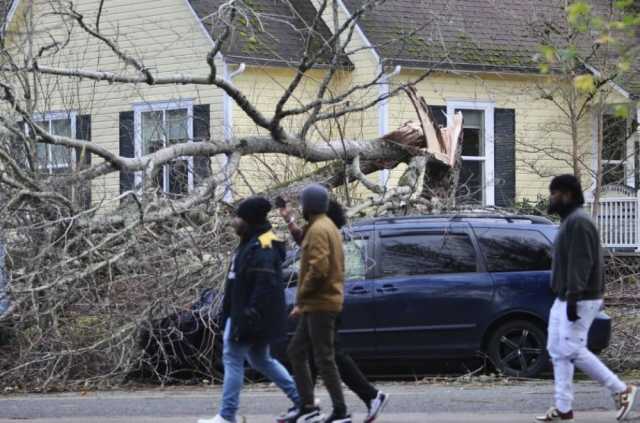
(505, 157)
(127, 179)
(201, 132)
(439, 115)
(83, 159)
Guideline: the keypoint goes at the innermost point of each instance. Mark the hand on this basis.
(295, 313)
(572, 311)
(286, 213)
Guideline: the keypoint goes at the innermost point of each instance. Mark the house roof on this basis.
(460, 34)
(498, 35)
(631, 80)
(632, 84)
(265, 32)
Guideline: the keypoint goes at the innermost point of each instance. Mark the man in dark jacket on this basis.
(319, 301)
(578, 283)
(254, 308)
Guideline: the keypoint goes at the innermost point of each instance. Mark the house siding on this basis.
(264, 86)
(162, 34)
(167, 38)
(538, 123)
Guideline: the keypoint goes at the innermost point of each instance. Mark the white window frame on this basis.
(48, 117)
(629, 161)
(488, 107)
(163, 106)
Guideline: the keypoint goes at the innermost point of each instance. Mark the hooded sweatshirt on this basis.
(321, 282)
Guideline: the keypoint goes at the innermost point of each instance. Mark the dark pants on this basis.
(350, 373)
(316, 332)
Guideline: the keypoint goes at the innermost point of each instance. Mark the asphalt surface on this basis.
(410, 403)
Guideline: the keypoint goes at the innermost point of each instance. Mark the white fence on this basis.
(619, 222)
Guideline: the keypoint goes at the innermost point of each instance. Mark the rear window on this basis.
(514, 250)
(427, 254)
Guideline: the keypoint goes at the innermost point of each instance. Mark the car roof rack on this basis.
(460, 217)
(511, 218)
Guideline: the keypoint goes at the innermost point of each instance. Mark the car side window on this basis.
(355, 259)
(355, 262)
(427, 254)
(514, 250)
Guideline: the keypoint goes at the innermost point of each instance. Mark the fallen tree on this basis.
(86, 280)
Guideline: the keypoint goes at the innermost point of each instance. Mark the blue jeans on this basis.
(259, 358)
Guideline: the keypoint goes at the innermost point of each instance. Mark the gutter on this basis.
(227, 112)
(383, 114)
(227, 105)
(9, 17)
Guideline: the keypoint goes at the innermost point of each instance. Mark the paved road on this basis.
(411, 403)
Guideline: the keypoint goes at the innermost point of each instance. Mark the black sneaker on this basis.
(555, 415)
(338, 418)
(305, 415)
(285, 417)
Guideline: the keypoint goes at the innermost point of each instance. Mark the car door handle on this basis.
(387, 288)
(358, 290)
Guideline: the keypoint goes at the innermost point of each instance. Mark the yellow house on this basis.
(477, 58)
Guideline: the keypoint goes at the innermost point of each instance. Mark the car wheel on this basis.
(518, 349)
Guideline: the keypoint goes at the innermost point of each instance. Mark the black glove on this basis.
(572, 311)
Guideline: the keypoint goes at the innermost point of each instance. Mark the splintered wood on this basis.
(440, 143)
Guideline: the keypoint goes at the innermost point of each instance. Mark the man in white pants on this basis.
(578, 283)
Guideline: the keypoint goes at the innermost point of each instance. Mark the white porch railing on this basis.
(619, 221)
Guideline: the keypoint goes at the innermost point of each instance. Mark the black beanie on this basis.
(568, 183)
(254, 210)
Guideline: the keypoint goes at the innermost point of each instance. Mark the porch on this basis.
(618, 217)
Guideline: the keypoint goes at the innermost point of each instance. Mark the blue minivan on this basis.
(450, 286)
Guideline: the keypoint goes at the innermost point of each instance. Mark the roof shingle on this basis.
(503, 35)
(272, 32)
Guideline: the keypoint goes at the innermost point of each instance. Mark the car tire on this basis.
(518, 349)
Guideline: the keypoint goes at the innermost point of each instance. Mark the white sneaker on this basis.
(376, 407)
(216, 419)
(625, 402)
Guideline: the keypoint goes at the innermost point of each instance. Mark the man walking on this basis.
(374, 399)
(254, 308)
(577, 281)
(319, 301)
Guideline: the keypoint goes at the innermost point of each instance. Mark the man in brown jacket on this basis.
(319, 301)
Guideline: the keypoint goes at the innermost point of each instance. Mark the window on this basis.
(161, 125)
(427, 254)
(476, 185)
(355, 262)
(56, 158)
(514, 250)
(355, 259)
(472, 178)
(617, 132)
